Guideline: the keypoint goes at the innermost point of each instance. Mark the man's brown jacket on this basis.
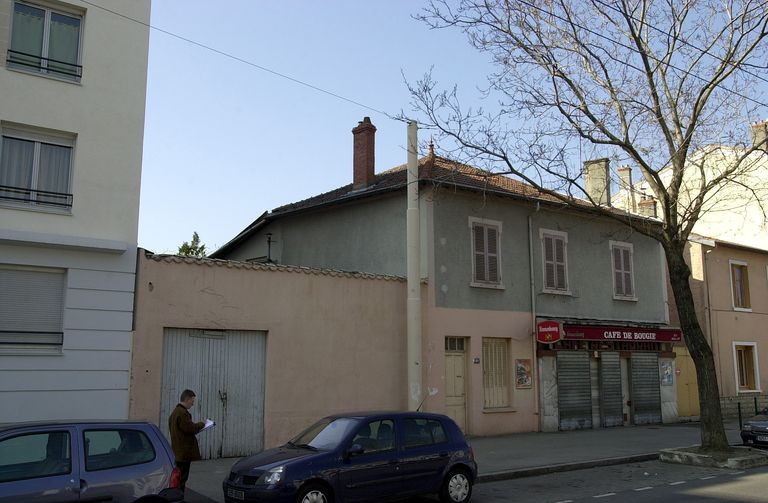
(183, 431)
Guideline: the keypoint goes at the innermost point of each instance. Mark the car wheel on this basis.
(457, 487)
(315, 493)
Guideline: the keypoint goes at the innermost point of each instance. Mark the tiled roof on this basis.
(438, 171)
(433, 170)
(234, 264)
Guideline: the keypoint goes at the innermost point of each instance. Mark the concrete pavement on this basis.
(522, 454)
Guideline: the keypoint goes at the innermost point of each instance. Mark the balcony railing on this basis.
(30, 196)
(43, 65)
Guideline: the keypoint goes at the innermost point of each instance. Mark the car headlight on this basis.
(747, 427)
(273, 476)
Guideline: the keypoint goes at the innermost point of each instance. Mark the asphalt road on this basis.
(648, 482)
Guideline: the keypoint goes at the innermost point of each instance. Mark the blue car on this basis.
(360, 457)
(73, 461)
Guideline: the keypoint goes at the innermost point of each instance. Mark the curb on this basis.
(563, 467)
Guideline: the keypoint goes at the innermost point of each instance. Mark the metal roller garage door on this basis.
(646, 395)
(611, 413)
(574, 392)
(226, 371)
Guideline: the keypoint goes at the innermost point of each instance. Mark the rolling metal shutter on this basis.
(646, 395)
(574, 393)
(611, 413)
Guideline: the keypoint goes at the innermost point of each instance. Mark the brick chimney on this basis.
(363, 158)
(598, 181)
(760, 135)
(625, 184)
(647, 206)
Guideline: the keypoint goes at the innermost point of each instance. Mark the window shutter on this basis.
(493, 257)
(555, 277)
(485, 248)
(31, 306)
(549, 262)
(495, 373)
(629, 289)
(622, 271)
(479, 243)
(560, 261)
(618, 276)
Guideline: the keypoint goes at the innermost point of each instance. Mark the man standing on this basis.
(183, 432)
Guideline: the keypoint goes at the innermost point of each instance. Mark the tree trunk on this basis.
(712, 430)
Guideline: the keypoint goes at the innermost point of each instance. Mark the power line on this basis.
(621, 44)
(249, 63)
(681, 39)
(400, 119)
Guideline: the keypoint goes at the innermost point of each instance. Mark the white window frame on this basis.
(613, 245)
(39, 137)
(49, 9)
(485, 223)
(543, 233)
(499, 396)
(741, 263)
(755, 367)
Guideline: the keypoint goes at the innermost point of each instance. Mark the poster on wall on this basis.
(666, 373)
(523, 373)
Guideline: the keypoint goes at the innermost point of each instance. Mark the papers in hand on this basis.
(208, 424)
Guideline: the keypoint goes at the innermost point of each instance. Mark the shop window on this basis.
(740, 285)
(486, 253)
(495, 373)
(747, 372)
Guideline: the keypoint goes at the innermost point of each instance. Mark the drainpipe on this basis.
(413, 311)
(534, 359)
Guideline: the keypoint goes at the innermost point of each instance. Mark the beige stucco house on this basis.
(727, 256)
(268, 348)
(731, 291)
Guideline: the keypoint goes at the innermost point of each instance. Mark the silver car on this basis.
(122, 462)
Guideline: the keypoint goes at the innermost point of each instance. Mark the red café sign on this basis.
(627, 334)
(548, 332)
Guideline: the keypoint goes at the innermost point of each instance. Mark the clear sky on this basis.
(225, 141)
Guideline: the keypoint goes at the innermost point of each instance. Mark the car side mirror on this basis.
(355, 450)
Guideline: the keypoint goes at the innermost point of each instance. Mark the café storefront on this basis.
(601, 376)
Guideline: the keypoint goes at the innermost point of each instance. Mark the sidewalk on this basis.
(522, 454)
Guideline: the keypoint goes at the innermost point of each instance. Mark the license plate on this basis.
(235, 493)
(762, 438)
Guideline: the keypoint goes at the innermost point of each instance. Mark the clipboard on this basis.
(208, 424)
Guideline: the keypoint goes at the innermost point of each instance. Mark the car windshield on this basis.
(325, 434)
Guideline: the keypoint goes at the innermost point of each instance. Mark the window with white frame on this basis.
(495, 372)
(36, 168)
(555, 260)
(486, 254)
(623, 270)
(31, 309)
(746, 366)
(45, 40)
(740, 285)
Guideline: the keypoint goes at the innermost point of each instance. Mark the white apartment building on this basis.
(72, 96)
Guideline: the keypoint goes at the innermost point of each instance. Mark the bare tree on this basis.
(667, 86)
